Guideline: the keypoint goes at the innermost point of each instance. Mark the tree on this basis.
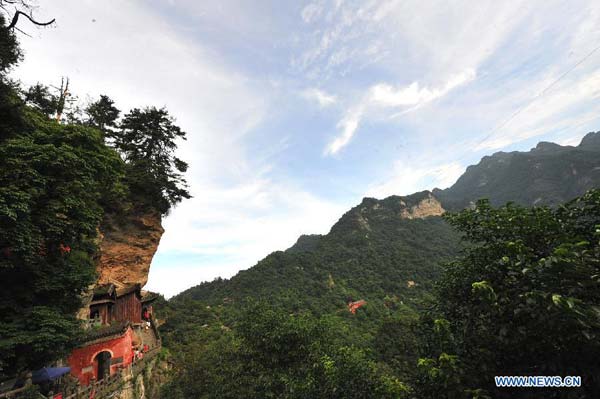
(524, 299)
(14, 9)
(103, 114)
(10, 101)
(273, 354)
(147, 142)
(10, 53)
(40, 97)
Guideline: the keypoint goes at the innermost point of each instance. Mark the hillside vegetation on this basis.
(282, 328)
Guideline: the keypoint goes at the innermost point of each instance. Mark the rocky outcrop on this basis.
(127, 247)
(428, 206)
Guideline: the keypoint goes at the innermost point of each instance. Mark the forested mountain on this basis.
(403, 341)
(379, 245)
(373, 251)
(548, 174)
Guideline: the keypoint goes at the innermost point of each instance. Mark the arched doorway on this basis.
(102, 365)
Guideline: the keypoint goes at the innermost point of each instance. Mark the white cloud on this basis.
(408, 179)
(321, 97)
(385, 96)
(571, 141)
(311, 12)
(348, 125)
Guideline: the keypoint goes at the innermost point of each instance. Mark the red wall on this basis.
(82, 358)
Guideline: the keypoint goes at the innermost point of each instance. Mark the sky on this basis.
(296, 110)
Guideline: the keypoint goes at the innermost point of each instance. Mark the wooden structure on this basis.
(111, 304)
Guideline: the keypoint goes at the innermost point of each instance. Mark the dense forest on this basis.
(65, 167)
(451, 300)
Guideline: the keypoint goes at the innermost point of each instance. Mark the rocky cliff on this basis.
(127, 247)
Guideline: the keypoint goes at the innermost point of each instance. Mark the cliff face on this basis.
(127, 247)
(428, 206)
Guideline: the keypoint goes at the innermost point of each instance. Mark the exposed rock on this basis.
(127, 247)
(428, 206)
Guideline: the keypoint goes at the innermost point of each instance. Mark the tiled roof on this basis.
(149, 297)
(106, 332)
(127, 289)
(104, 289)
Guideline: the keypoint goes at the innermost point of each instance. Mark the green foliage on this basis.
(58, 181)
(10, 53)
(147, 141)
(524, 299)
(53, 183)
(273, 354)
(103, 114)
(10, 103)
(40, 97)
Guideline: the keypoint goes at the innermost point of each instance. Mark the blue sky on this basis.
(296, 110)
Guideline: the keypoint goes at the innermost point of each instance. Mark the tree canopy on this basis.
(147, 139)
(524, 299)
(59, 179)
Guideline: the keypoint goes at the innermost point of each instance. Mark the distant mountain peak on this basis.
(545, 146)
(591, 141)
(549, 174)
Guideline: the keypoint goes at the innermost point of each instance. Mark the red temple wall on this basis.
(82, 362)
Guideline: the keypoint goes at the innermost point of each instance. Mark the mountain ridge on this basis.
(557, 174)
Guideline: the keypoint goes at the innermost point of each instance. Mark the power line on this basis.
(524, 107)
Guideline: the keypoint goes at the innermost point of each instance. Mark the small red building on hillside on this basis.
(354, 306)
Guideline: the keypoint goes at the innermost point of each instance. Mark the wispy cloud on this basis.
(311, 11)
(321, 97)
(348, 126)
(385, 96)
(546, 114)
(413, 94)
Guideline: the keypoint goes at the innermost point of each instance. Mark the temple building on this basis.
(120, 330)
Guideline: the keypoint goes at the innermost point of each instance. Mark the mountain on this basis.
(374, 250)
(548, 174)
(377, 247)
(355, 307)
